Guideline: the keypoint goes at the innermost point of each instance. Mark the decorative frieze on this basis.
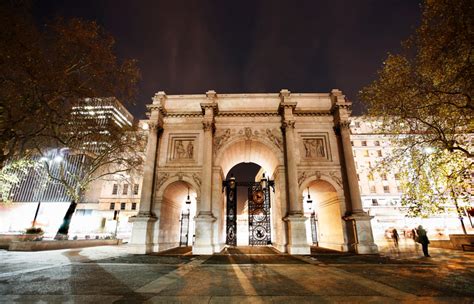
(225, 135)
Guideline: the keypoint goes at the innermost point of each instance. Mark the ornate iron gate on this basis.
(184, 232)
(231, 218)
(259, 215)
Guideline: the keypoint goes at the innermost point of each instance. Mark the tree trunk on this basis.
(64, 229)
(460, 215)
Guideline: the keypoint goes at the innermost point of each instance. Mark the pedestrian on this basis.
(423, 240)
(395, 237)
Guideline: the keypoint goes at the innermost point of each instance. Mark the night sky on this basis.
(186, 47)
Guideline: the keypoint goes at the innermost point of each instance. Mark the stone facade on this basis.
(301, 141)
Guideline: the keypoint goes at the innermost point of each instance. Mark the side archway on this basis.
(175, 225)
(326, 226)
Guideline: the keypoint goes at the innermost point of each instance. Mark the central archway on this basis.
(270, 159)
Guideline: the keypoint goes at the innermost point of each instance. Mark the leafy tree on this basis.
(433, 181)
(422, 100)
(426, 91)
(47, 70)
(50, 75)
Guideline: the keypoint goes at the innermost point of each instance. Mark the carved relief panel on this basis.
(182, 148)
(314, 146)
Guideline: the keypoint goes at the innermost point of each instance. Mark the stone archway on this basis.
(264, 153)
(170, 210)
(328, 208)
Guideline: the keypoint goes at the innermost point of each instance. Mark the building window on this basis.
(399, 188)
(134, 206)
(115, 189)
(125, 189)
(352, 143)
(112, 206)
(397, 176)
(364, 143)
(375, 202)
(122, 206)
(370, 177)
(357, 124)
(358, 178)
(379, 153)
(135, 189)
(377, 143)
(384, 176)
(366, 153)
(372, 189)
(386, 189)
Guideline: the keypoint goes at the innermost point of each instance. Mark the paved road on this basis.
(242, 275)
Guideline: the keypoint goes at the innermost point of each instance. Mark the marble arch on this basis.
(294, 136)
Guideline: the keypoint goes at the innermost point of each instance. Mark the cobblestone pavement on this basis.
(237, 275)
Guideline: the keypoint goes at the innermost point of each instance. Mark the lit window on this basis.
(115, 189)
(122, 206)
(134, 206)
(112, 206)
(370, 177)
(135, 189)
(386, 189)
(366, 153)
(125, 189)
(364, 143)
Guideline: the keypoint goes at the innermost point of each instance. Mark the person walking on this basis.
(423, 240)
(395, 237)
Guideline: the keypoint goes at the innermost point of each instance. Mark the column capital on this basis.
(340, 126)
(288, 124)
(154, 126)
(208, 125)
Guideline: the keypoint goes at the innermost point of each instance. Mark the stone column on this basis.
(361, 220)
(143, 224)
(297, 243)
(204, 243)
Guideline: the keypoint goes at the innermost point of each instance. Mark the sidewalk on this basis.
(111, 275)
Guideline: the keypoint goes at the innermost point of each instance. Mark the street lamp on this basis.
(309, 201)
